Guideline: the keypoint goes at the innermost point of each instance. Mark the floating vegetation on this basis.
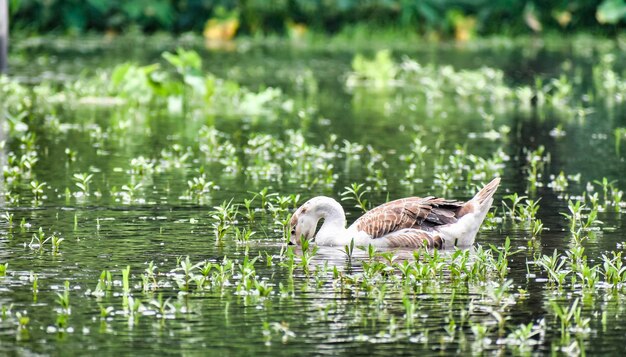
(439, 90)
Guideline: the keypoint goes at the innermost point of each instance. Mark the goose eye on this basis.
(293, 231)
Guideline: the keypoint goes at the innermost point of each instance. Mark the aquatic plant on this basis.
(605, 184)
(528, 210)
(590, 276)
(22, 320)
(263, 289)
(559, 183)
(243, 235)
(199, 186)
(501, 263)
(142, 166)
(537, 160)
(8, 217)
(308, 254)
(37, 189)
(527, 335)
(129, 192)
(63, 299)
(35, 283)
(250, 210)
(164, 308)
(565, 315)
(613, 269)
(38, 239)
(55, 240)
(105, 283)
(555, 267)
(224, 217)
(515, 201)
(187, 268)
(536, 227)
(82, 182)
(247, 273)
(348, 249)
(378, 72)
(355, 193)
(125, 280)
(576, 216)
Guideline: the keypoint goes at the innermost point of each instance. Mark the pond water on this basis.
(171, 185)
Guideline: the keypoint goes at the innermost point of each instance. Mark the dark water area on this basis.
(119, 224)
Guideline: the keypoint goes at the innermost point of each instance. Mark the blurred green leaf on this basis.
(427, 10)
(611, 11)
(74, 17)
(103, 6)
(425, 16)
(184, 60)
(133, 9)
(162, 11)
(14, 5)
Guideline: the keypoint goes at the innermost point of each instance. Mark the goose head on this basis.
(302, 224)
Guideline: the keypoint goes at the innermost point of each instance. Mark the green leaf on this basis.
(119, 74)
(611, 11)
(428, 12)
(162, 11)
(74, 17)
(14, 5)
(102, 6)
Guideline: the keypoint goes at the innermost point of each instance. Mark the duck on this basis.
(412, 222)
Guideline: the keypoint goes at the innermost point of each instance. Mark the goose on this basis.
(411, 222)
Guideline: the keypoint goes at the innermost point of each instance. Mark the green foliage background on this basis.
(327, 16)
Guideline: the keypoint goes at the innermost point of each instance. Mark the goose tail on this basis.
(470, 217)
(486, 194)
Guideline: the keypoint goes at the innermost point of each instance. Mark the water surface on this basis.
(305, 313)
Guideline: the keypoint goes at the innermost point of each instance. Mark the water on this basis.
(315, 313)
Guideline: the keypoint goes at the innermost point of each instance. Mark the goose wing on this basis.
(414, 213)
(414, 238)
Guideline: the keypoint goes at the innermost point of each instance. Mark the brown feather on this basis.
(413, 238)
(296, 215)
(485, 194)
(413, 212)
